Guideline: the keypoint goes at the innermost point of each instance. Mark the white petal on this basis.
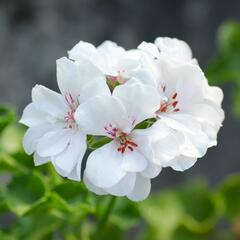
(165, 149)
(141, 189)
(149, 48)
(49, 102)
(85, 50)
(32, 136)
(194, 145)
(103, 166)
(140, 100)
(92, 187)
(40, 160)
(69, 77)
(186, 80)
(80, 79)
(181, 122)
(181, 163)
(54, 142)
(207, 112)
(100, 111)
(174, 48)
(65, 161)
(142, 138)
(126, 65)
(124, 187)
(96, 87)
(75, 174)
(133, 161)
(189, 84)
(212, 93)
(151, 171)
(110, 53)
(143, 76)
(32, 116)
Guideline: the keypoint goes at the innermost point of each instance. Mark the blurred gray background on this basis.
(34, 33)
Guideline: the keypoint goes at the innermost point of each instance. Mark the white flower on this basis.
(174, 49)
(53, 133)
(123, 166)
(114, 61)
(191, 109)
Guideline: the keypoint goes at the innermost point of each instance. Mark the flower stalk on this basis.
(104, 219)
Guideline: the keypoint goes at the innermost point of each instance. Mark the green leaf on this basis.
(162, 212)
(230, 191)
(11, 139)
(7, 116)
(236, 102)
(125, 214)
(23, 191)
(146, 124)
(10, 164)
(193, 207)
(39, 227)
(202, 208)
(226, 66)
(76, 195)
(97, 142)
(49, 203)
(229, 37)
(183, 233)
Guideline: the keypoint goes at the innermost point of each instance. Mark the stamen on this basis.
(122, 138)
(169, 105)
(174, 96)
(73, 105)
(174, 104)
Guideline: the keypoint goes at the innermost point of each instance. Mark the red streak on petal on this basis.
(174, 104)
(174, 96)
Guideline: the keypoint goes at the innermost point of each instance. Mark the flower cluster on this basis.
(153, 104)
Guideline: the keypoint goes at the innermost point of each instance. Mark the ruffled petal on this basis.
(92, 187)
(123, 187)
(53, 143)
(32, 136)
(103, 167)
(32, 116)
(174, 48)
(141, 189)
(49, 102)
(140, 100)
(80, 79)
(40, 160)
(133, 161)
(102, 112)
(181, 163)
(71, 157)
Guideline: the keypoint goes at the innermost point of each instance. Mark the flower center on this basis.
(169, 105)
(73, 105)
(114, 81)
(123, 139)
(125, 143)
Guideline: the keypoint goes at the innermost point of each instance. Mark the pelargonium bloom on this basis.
(123, 166)
(113, 61)
(153, 104)
(176, 50)
(189, 107)
(53, 133)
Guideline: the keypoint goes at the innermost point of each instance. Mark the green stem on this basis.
(104, 219)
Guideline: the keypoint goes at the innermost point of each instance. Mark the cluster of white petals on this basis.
(153, 104)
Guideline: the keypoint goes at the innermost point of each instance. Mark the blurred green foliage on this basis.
(225, 68)
(37, 204)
